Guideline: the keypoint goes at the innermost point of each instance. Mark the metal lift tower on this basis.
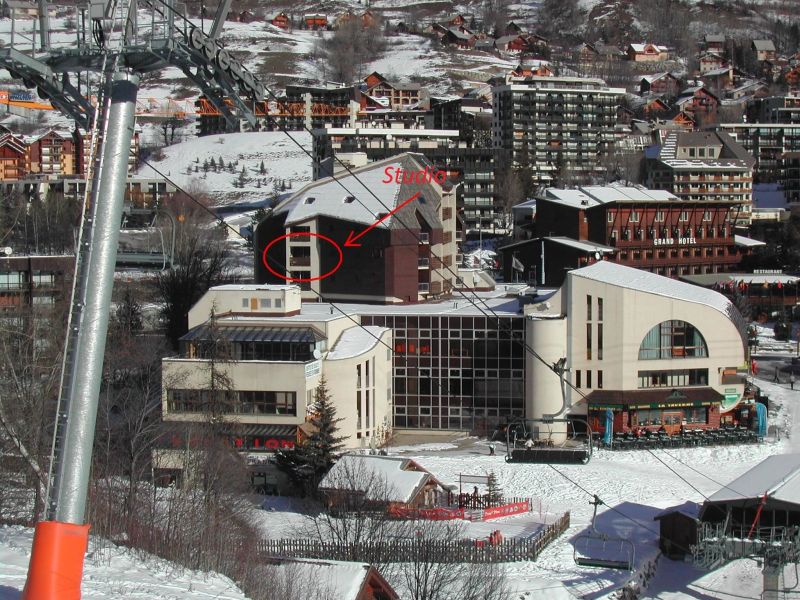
(115, 41)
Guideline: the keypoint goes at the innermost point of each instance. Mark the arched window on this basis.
(673, 339)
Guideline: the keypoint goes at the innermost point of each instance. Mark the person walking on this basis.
(776, 376)
(491, 449)
(791, 380)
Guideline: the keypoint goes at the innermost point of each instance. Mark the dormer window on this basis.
(348, 199)
(309, 200)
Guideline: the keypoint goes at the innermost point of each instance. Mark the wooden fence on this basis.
(404, 550)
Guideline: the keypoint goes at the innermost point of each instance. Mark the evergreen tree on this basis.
(262, 169)
(311, 459)
(128, 315)
(493, 491)
(213, 163)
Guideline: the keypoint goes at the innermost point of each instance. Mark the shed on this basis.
(337, 579)
(770, 491)
(678, 529)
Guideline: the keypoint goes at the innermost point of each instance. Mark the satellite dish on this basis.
(597, 256)
(8, 251)
(317, 353)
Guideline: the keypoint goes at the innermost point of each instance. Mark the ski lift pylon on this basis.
(600, 550)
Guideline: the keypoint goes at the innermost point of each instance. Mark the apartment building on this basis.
(559, 127)
(407, 213)
(767, 143)
(470, 164)
(703, 166)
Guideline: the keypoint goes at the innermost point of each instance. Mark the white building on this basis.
(272, 361)
(654, 350)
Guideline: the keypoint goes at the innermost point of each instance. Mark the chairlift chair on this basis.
(580, 453)
(600, 550)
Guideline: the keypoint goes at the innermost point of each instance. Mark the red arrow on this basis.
(352, 237)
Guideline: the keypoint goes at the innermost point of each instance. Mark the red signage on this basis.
(515, 508)
(262, 443)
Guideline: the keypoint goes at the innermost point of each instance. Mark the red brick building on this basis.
(651, 230)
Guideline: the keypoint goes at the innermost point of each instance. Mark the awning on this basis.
(657, 398)
(267, 431)
(253, 334)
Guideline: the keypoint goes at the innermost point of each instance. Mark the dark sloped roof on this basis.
(696, 396)
(253, 334)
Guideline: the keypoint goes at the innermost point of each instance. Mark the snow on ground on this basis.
(114, 572)
(283, 161)
(636, 487)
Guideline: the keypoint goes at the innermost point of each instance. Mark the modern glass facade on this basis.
(456, 372)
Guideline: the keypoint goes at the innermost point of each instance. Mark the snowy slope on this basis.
(114, 572)
(283, 161)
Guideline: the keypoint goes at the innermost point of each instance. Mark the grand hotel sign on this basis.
(681, 241)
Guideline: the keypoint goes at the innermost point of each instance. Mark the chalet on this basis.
(647, 52)
(282, 21)
(763, 49)
(244, 16)
(459, 21)
(749, 89)
(512, 29)
(315, 21)
(51, 153)
(586, 53)
(791, 76)
(711, 61)
(723, 79)
(513, 44)
(462, 39)
(699, 102)
(609, 52)
(536, 43)
(685, 120)
(386, 482)
(535, 68)
(367, 19)
(654, 107)
(660, 83)
(714, 42)
(485, 45)
(399, 95)
(12, 157)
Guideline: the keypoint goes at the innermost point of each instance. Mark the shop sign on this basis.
(730, 401)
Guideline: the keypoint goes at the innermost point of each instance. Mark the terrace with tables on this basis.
(649, 439)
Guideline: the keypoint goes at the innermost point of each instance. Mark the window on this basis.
(659, 215)
(245, 302)
(578, 379)
(634, 216)
(672, 378)
(599, 380)
(588, 379)
(599, 309)
(588, 341)
(610, 216)
(588, 308)
(309, 200)
(599, 341)
(278, 303)
(706, 215)
(673, 339)
(684, 216)
(266, 303)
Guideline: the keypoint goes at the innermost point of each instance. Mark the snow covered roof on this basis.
(650, 283)
(254, 287)
(380, 478)
(741, 240)
(332, 578)
(356, 341)
(688, 508)
(764, 45)
(361, 196)
(595, 195)
(643, 47)
(715, 38)
(656, 76)
(778, 476)
(583, 245)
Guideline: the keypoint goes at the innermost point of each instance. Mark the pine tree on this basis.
(493, 491)
(262, 169)
(311, 459)
(213, 163)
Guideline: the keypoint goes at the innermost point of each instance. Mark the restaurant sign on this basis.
(731, 399)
